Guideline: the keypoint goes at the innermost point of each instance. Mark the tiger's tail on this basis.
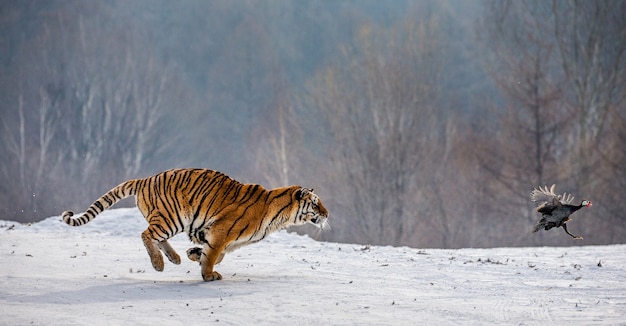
(123, 190)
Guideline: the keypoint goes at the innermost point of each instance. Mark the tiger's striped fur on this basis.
(214, 210)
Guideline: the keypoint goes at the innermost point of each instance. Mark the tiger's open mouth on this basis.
(321, 222)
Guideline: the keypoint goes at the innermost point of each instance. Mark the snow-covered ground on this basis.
(100, 273)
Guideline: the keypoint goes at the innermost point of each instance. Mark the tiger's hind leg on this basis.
(152, 247)
(169, 252)
(155, 240)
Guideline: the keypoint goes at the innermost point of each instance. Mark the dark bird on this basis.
(555, 209)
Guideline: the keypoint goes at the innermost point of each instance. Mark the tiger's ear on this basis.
(301, 193)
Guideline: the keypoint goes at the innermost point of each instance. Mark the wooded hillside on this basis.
(419, 123)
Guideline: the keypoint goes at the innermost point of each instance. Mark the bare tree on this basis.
(524, 151)
(613, 179)
(278, 150)
(557, 66)
(241, 91)
(379, 103)
(592, 52)
(30, 126)
(592, 49)
(87, 108)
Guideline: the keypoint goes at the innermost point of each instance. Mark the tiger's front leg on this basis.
(207, 262)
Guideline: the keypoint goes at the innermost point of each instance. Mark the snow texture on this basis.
(100, 274)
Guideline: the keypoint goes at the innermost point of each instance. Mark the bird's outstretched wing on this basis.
(546, 197)
(566, 199)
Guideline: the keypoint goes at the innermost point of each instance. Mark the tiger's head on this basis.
(310, 208)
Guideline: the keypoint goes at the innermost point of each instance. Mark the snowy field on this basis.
(100, 274)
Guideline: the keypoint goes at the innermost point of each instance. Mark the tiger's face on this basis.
(310, 209)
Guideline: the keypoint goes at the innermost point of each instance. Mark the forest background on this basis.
(419, 123)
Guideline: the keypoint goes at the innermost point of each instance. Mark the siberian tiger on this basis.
(216, 212)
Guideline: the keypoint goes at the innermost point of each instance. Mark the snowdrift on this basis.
(100, 274)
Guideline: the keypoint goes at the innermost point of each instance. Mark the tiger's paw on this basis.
(157, 263)
(194, 254)
(169, 252)
(173, 257)
(214, 276)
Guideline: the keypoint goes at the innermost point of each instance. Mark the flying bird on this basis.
(555, 209)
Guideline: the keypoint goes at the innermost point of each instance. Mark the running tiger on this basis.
(216, 212)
